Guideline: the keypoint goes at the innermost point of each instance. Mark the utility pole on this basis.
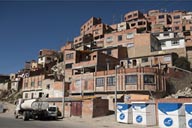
(116, 68)
(63, 97)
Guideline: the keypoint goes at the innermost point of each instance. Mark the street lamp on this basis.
(81, 85)
(116, 67)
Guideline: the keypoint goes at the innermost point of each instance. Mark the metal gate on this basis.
(76, 109)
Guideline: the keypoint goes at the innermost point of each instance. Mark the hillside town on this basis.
(139, 60)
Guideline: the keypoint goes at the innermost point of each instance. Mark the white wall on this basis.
(169, 45)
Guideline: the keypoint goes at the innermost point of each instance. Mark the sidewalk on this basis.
(104, 122)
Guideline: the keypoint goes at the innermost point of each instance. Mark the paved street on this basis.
(7, 121)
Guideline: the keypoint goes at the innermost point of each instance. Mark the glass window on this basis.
(32, 84)
(129, 45)
(108, 52)
(41, 94)
(135, 14)
(120, 38)
(26, 95)
(130, 79)
(78, 82)
(109, 39)
(129, 16)
(130, 35)
(177, 17)
(32, 95)
(111, 81)
(145, 59)
(25, 84)
(176, 28)
(166, 34)
(163, 44)
(67, 66)
(173, 43)
(39, 83)
(161, 16)
(100, 81)
(69, 56)
(149, 79)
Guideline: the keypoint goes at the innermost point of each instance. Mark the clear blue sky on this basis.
(28, 26)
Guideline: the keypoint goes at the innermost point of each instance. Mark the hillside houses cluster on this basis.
(131, 57)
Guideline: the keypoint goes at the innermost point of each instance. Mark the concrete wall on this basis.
(5, 86)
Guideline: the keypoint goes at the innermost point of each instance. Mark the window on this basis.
(130, 35)
(108, 52)
(161, 16)
(129, 45)
(176, 28)
(166, 34)
(121, 26)
(111, 81)
(32, 84)
(40, 53)
(26, 95)
(129, 16)
(167, 58)
(69, 56)
(145, 59)
(48, 86)
(32, 95)
(141, 23)
(133, 24)
(177, 22)
(96, 31)
(68, 66)
(86, 85)
(130, 79)
(100, 81)
(149, 79)
(174, 43)
(135, 14)
(120, 38)
(94, 57)
(177, 17)
(25, 84)
(109, 39)
(39, 83)
(134, 62)
(41, 94)
(78, 82)
(163, 44)
(48, 58)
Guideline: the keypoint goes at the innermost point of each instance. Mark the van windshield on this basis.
(52, 109)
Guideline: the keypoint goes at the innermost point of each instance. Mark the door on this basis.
(76, 108)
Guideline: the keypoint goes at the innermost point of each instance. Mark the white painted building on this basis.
(170, 40)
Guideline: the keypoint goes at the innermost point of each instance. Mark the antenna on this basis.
(113, 19)
(121, 18)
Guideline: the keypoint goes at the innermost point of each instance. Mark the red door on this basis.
(76, 108)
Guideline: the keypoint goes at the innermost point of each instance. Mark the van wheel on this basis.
(15, 115)
(26, 116)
